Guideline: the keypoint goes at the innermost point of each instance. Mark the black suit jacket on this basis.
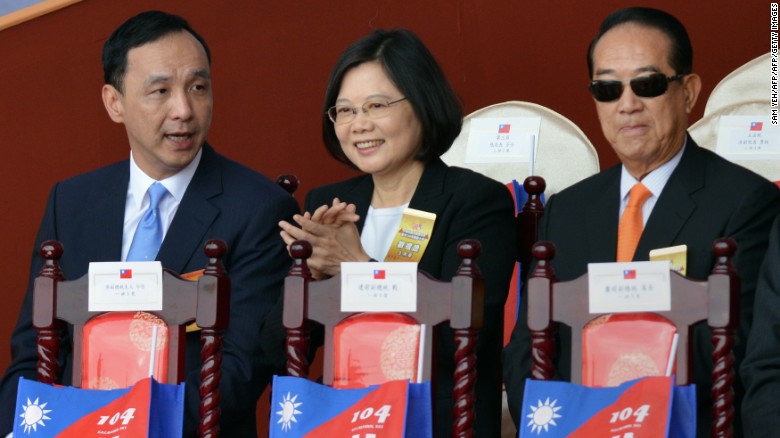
(761, 368)
(467, 206)
(224, 200)
(705, 198)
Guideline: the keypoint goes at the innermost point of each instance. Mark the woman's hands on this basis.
(333, 235)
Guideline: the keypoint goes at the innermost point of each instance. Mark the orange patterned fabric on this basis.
(117, 350)
(372, 348)
(625, 346)
(631, 223)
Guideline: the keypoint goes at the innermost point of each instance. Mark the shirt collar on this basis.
(176, 184)
(655, 180)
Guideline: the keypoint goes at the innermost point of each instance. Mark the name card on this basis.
(378, 287)
(125, 286)
(629, 287)
(502, 140)
(748, 138)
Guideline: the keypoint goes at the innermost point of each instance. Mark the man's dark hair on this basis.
(144, 28)
(681, 52)
(414, 71)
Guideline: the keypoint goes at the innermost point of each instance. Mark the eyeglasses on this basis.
(646, 86)
(373, 109)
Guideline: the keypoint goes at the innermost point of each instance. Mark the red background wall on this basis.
(270, 66)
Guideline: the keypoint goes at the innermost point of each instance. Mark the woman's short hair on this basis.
(414, 71)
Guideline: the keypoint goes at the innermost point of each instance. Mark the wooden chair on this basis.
(288, 182)
(57, 302)
(460, 302)
(715, 300)
(527, 225)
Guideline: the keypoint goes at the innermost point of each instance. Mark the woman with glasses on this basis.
(390, 113)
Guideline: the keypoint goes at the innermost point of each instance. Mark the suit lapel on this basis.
(430, 194)
(194, 216)
(107, 214)
(675, 205)
(602, 218)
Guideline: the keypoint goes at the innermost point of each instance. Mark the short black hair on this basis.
(681, 51)
(144, 28)
(414, 71)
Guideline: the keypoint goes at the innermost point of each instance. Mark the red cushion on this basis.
(625, 346)
(372, 348)
(117, 350)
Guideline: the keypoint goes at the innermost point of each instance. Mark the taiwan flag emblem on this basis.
(125, 273)
(756, 126)
(379, 274)
(629, 274)
(503, 128)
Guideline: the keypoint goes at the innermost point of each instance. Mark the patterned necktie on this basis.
(631, 223)
(148, 235)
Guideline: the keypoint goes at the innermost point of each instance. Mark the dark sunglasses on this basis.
(653, 85)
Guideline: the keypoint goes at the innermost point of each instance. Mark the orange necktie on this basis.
(631, 224)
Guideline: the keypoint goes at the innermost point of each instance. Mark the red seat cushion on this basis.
(621, 347)
(372, 348)
(117, 350)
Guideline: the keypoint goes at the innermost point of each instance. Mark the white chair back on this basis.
(748, 83)
(564, 154)
(743, 92)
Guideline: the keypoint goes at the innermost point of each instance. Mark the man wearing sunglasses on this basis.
(643, 86)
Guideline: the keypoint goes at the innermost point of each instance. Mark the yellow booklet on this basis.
(677, 256)
(413, 236)
(192, 276)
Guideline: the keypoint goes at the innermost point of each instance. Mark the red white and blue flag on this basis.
(503, 128)
(125, 273)
(147, 409)
(629, 274)
(643, 407)
(379, 274)
(396, 409)
(756, 126)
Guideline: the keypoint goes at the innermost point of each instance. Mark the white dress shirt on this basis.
(654, 181)
(137, 201)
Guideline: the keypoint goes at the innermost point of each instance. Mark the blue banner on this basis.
(302, 408)
(148, 409)
(649, 407)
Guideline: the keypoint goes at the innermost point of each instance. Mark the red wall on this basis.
(270, 66)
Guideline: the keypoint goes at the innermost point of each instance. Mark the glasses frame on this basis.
(635, 85)
(332, 110)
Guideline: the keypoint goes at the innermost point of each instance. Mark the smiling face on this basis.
(383, 147)
(644, 132)
(166, 103)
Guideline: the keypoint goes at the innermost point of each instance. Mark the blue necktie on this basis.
(148, 235)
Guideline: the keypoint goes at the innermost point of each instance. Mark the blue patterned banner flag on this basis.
(148, 409)
(647, 407)
(396, 409)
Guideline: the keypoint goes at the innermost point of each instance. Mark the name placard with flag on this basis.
(396, 409)
(638, 408)
(147, 409)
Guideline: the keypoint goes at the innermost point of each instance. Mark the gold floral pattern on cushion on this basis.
(632, 366)
(398, 358)
(141, 328)
(101, 382)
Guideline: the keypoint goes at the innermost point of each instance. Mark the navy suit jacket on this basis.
(706, 197)
(224, 200)
(761, 368)
(467, 206)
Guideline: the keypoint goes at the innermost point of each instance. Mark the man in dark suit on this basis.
(644, 88)
(761, 406)
(158, 84)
